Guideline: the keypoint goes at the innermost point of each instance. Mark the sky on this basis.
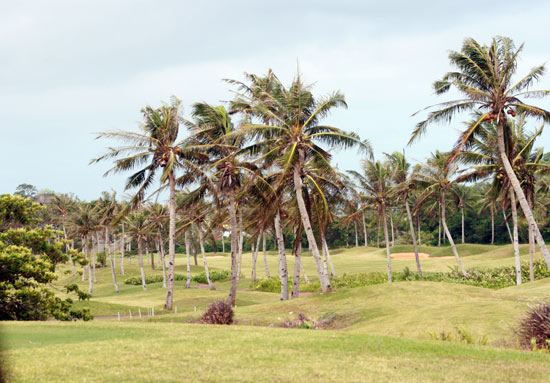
(71, 69)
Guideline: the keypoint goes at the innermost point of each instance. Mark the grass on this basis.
(381, 332)
(107, 351)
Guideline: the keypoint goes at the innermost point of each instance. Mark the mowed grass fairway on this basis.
(382, 332)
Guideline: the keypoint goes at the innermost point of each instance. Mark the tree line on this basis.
(261, 168)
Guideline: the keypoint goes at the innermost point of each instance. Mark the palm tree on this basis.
(404, 186)
(484, 78)
(156, 148)
(107, 209)
(481, 151)
(139, 227)
(64, 205)
(437, 178)
(84, 222)
(289, 137)
(158, 213)
(375, 184)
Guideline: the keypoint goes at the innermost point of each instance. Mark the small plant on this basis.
(301, 322)
(534, 328)
(219, 312)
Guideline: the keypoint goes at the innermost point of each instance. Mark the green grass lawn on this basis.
(381, 332)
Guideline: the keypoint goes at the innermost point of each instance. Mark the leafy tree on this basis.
(28, 258)
(484, 78)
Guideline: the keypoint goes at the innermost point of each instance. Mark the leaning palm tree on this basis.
(63, 205)
(437, 180)
(156, 148)
(484, 78)
(290, 135)
(404, 186)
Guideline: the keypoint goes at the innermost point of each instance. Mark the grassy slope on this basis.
(140, 351)
(407, 311)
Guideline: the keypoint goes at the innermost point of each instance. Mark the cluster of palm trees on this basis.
(261, 165)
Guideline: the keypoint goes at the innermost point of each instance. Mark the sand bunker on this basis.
(409, 255)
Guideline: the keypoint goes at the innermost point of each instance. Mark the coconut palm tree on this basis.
(156, 148)
(437, 178)
(484, 78)
(376, 186)
(84, 223)
(139, 227)
(64, 205)
(404, 186)
(290, 135)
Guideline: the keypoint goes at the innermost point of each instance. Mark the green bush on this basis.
(495, 278)
(200, 278)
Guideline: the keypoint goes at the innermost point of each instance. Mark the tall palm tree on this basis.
(156, 148)
(291, 134)
(484, 78)
(107, 210)
(84, 222)
(64, 205)
(404, 186)
(437, 178)
(139, 227)
(376, 186)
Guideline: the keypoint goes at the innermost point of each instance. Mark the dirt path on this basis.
(409, 255)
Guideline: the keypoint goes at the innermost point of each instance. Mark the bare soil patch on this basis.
(409, 255)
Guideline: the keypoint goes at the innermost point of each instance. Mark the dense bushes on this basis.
(215, 275)
(495, 278)
(534, 328)
(219, 312)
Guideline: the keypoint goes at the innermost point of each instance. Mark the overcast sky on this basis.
(72, 68)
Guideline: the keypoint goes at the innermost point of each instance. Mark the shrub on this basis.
(301, 322)
(219, 312)
(534, 328)
(215, 275)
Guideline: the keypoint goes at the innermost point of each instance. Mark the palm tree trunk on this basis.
(283, 270)
(171, 243)
(418, 225)
(519, 193)
(507, 226)
(448, 234)
(223, 243)
(327, 254)
(234, 250)
(140, 259)
(111, 259)
(515, 242)
(162, 257)
(152, 254)
(378, 232)
(492, 225)
(84, 241)
(388, 254)
(122, 251)
(439, 227)
(413, 237)
(90, 276)
(531, 252)
(206, 271)
(356, 235)
(297, 263)
(265, 256)
(365, 229)
(303, 271)
(391, 224)
(188, 255)
(241, 236)
(462, 211)
(94, 251)
(323, 276)
(255, 256)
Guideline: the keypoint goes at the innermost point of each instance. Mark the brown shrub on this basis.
(219, 312)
